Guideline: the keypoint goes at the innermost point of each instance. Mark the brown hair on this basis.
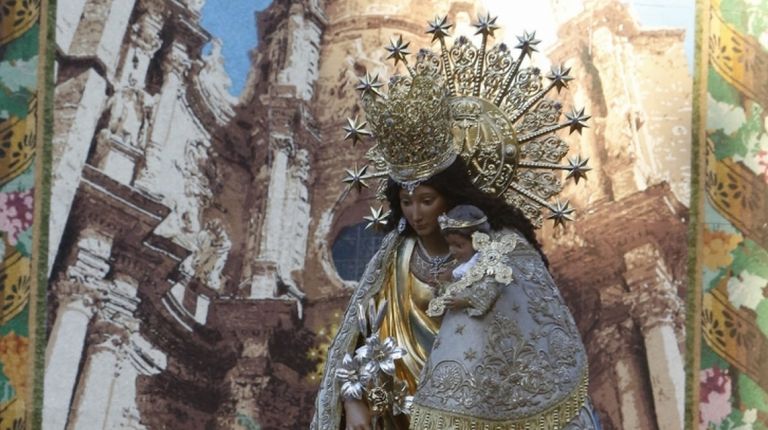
(455, 186)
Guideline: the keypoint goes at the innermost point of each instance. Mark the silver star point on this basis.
(577, 120)
(561, 212)
(356, 178)
(369, 85)
(527, 43)
(560, 77)
(356, 130)
(378, 218)
(398, 50)
(439, 28)
(577, 168)
(486, 25)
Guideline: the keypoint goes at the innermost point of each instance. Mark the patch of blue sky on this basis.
(234, 23)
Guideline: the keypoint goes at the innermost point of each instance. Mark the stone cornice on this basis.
(611, 229)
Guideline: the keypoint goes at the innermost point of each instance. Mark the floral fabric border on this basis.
(22, 88)
(729, 372)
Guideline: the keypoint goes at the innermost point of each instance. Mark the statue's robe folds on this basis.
(514, 359)
(521, 357)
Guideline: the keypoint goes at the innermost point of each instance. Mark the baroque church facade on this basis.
(194, 281)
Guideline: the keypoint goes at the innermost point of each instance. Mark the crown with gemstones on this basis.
(477, 103)
(412, 125)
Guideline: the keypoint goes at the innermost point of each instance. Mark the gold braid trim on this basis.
(17, 139)
(738, 58)
(734, 334)
(16, 17)
(739, 195)
(553, 418)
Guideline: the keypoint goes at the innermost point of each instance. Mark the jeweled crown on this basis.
(412, 126)
(476, 103)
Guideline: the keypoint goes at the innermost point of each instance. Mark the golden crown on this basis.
(413, 125)
(479, 104)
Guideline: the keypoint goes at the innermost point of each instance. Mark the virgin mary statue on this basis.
(471, 126)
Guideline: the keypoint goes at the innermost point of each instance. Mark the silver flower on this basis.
(401, 401)
(351, 380)
(378, 355)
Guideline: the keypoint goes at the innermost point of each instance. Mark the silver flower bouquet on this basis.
(370, 374)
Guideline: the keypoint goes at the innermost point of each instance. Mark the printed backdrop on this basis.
(192, 254)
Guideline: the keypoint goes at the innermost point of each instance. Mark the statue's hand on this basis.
(358, 415)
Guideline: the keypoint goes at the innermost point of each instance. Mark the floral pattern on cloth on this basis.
(19, 55)
(732, 378)
(521, 358)
(16, 214)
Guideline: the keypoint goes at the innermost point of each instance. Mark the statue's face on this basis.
(421, 209)
(460, 247)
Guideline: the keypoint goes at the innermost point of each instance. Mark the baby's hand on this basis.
(444, 277)
(454, 302)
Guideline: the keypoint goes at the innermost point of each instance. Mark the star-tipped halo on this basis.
(559, 77)
(578, 168)
(398, 50)
(527, 43)
(356, 178)
(378, 218)
(369, 85)
(577, 120)
(439, 28)
(356, 130)
(561, 212)
(486, 25)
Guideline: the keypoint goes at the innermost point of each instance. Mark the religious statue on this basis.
(466, 126)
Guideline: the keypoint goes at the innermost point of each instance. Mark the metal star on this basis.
(577, 120)
(578, 168)
(370, 84)
(356, 178)
(398, 50)
(355, 130)
(486, 25)
(559, 77)
(561, 212)
(527, 43)
(439, 28)
(378, 218)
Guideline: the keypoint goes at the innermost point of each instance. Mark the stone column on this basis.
(63, 354)
(77, 295)
(96, 387)
(657, 310)
(106, 394)
(282, 148)
(616, 351)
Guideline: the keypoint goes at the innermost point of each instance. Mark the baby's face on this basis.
(460, 247)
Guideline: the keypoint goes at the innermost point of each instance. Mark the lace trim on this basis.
(554, 418)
